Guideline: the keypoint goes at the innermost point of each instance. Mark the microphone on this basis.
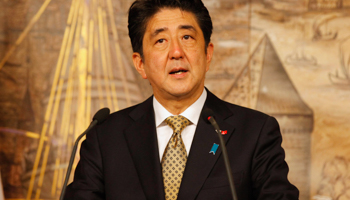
(208, 116)
(98, 118)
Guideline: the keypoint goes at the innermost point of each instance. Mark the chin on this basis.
(177, 92)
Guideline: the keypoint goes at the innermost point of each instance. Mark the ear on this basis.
(138, 64)
(210, 51)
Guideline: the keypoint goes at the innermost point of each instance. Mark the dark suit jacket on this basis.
(120, 159)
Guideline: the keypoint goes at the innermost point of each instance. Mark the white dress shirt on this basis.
(164, 132)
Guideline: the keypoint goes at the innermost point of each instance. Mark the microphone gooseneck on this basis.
(98, 118)
(208, 116)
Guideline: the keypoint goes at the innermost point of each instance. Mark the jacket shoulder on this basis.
(122, 119)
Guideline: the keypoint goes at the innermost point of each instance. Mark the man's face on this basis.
(174, 59)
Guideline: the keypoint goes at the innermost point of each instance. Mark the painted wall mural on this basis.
(60, 61)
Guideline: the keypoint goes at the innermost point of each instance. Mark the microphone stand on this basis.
(99, 117)
(224, 153)
(93, 123)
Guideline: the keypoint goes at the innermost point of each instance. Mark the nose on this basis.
(176, 52)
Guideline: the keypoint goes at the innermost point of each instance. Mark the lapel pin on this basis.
(224, 132)
(214, 148)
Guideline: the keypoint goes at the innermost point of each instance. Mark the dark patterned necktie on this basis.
(174, 157)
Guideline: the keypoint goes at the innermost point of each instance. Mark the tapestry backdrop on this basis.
(61, 61)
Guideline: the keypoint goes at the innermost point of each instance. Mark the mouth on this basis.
(180, 71)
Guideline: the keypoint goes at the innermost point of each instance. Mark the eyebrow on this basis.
(189, 27)
(159, 30)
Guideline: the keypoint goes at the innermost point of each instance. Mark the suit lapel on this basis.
(200, 162)
(143, 145)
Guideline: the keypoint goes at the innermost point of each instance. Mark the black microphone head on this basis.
(101, 115)
(206, 113)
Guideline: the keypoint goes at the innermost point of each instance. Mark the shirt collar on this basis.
(192, 113)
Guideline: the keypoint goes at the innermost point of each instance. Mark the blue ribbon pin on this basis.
(214, 148)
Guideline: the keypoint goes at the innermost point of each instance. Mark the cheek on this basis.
(158, 62)
(197, 57)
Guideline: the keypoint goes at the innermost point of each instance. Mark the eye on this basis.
(160, 41)
(186, 37)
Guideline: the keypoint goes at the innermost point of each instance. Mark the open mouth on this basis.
(178, 71)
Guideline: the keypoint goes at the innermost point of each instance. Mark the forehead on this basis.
(171, 19)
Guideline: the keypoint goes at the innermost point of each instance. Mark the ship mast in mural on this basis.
(91, 73)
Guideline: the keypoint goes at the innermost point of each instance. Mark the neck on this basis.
(178, 105)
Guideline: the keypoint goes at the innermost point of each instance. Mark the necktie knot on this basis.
(177, 123)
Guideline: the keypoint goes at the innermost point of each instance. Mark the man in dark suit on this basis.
(127, 156)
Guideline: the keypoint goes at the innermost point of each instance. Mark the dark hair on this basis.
(141, 11)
